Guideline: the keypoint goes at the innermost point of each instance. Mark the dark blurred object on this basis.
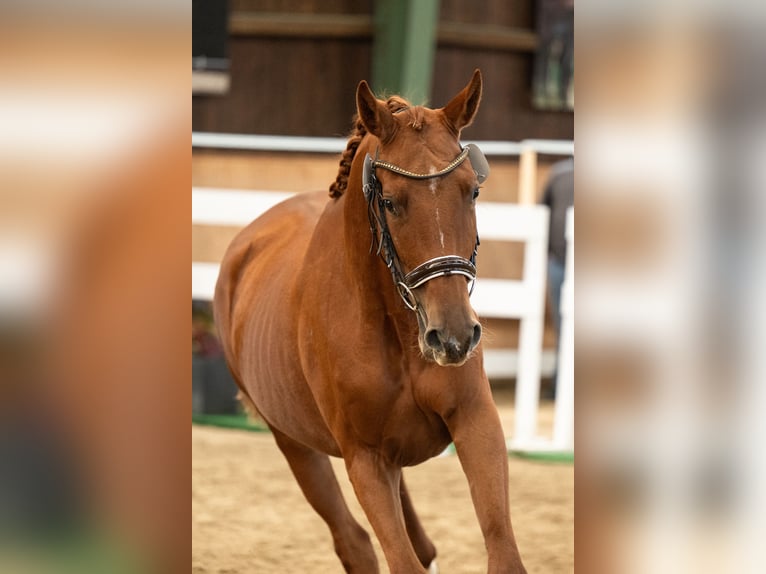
(213, 389)
(553, 85)
(210, 61)
(214, 392)
(38, 496)
(559, 196)
(37, 492)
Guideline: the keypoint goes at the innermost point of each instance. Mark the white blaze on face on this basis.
(432, 187)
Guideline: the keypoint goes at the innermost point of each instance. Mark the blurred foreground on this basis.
(94, 213)
(671, 380)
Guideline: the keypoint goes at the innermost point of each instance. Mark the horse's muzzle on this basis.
(451, 348)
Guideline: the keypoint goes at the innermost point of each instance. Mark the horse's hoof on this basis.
(433, 568)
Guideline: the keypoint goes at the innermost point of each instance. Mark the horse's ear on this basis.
(374, 114)
(462, 108)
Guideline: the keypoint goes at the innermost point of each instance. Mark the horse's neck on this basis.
(371, 280)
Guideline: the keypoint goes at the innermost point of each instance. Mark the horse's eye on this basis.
(475, 193)
(389, 205)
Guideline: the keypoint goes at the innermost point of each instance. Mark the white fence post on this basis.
(531, 329)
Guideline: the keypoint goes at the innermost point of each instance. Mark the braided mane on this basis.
(338, 187)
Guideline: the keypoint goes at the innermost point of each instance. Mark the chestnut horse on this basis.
(341, 360)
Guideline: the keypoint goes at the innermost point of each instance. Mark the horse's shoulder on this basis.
(274, 240)
(282, 221)
(307, 205)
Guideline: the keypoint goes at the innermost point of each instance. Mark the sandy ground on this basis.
(249, 515)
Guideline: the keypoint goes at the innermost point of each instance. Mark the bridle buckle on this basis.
(407, 296)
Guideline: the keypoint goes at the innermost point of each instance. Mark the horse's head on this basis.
(421, 187)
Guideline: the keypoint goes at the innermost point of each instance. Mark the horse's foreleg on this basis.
(423, 546)
(317, 480)
(480, 445)
(377, 486)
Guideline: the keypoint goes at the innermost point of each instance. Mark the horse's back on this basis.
(273, 243)
(256, 308)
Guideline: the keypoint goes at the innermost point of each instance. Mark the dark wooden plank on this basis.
(486, 36)
(275, 24)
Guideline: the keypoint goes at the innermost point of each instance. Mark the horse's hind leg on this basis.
(424, 548)
(317, 480)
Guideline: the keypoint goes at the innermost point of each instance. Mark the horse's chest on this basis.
(368, 399)
(415, 445)
(404, 433)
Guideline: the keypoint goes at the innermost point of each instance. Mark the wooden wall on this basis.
(295, 65)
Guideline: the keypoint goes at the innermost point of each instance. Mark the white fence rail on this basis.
(229, 207)
(252, 142)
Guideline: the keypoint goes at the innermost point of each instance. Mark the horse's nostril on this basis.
(433, 340)
(476, 335)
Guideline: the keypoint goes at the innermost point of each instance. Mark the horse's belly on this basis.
(264, 348)
(276, 382)
(278, 387)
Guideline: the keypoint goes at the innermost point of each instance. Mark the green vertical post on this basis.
(388, 45)
(420, 49)
(405, 47)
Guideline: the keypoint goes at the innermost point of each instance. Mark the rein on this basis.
(436, 266)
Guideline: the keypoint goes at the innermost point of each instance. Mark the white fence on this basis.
(229, 207)
(563, 428)
(492, 298)
(252, 142)
(526, 437)
(517, 299)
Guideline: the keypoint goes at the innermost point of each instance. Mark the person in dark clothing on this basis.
(558, 196)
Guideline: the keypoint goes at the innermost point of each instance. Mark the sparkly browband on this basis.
(401, 171)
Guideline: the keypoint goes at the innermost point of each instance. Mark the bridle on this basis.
(432, 268)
